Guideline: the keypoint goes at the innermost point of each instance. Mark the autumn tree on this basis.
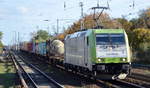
(140, 36)
(137, 29)
(141, 45)
(143, 21)
(105, 21)
(60, 36)
(144, 17)
(135, 24)
(125, 24)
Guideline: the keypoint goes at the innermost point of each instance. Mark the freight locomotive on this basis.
(103, 53)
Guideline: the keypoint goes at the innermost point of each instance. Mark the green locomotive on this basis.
(104, 53)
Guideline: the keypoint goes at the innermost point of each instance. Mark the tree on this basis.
(134, 22)
(125, 24)
(137, 29)
(60, 36)
(140, 36)
(143, 21)
(1, 44)
(89, 23)
(1, 34)
(40, 35)
(144, 17)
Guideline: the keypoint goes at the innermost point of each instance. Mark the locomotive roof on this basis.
(109, 31)
(77, 34)
(83, 33)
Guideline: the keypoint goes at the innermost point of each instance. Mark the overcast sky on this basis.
(26, 16)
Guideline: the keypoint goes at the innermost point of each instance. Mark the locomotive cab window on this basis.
(102, 39)
(110, 39)
(117, 39)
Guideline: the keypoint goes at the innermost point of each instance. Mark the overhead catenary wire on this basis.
(82, 16)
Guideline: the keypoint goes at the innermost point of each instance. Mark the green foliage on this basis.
(139, 36)
(7, 75)
(125, 24)
(1, 34)
(1, 44)
(143, 54)
(145, 46)
(41, 35)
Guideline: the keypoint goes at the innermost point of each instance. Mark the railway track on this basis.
(32, 77)
(112, 84)
(140, 77)
(120, 84)
(142, 66)
(138, 82)
(128, 84)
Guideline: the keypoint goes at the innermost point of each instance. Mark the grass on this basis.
(7, 75)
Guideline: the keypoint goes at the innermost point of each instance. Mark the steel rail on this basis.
(30, 78)
(129, 84)
(140, 77)
(45, 75)
(48, 77)
(24, 84)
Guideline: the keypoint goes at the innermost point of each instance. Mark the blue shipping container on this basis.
(42, 48)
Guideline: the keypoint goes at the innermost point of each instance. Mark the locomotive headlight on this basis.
(99, 60)
(124, 59)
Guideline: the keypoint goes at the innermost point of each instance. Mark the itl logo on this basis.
(110, 47)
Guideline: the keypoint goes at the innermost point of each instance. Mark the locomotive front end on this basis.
(112, 53)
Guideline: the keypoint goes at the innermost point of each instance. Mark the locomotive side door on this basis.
(86, 51)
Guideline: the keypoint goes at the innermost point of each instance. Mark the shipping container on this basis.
(33, 47)
(29, 46)
(42, 48)
(25, 47)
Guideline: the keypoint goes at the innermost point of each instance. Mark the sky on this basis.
(24, 17)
